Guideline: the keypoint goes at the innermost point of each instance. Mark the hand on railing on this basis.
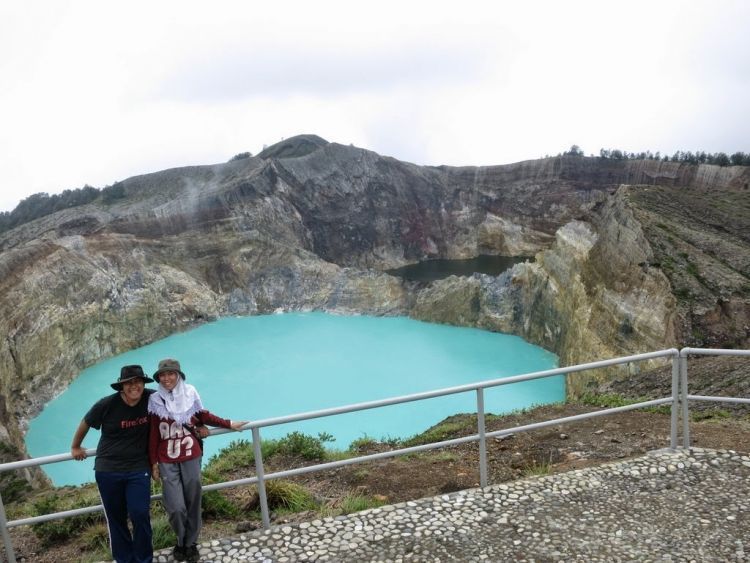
(78, 453)
(238, 424)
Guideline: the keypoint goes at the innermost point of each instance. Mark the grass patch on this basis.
(217, 506)
(338, 455)
(538, 468)
(95, 540)
(363, 443)
(659, 409)
(163, 535)
(289, 496)
(710, 414)
(682, 293)
(239, 453)
(361, 474)
(614, 400)
(357, 503)
(443, 431)
(605, 400)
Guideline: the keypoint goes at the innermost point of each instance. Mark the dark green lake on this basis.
(431, 270)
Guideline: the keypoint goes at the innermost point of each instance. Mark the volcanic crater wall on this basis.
(313, 230)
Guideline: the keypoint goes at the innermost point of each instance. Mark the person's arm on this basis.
(206, 417)
(76, 450)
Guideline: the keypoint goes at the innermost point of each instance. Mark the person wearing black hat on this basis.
(122, 467)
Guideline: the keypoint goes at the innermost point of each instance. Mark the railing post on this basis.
(685, 410)
(259, 473)
(482, 439)
(5, 534)
(675, 401)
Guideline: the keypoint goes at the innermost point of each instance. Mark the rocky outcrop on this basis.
(311, 225)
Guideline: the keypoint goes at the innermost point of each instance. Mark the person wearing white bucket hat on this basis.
(175, 451)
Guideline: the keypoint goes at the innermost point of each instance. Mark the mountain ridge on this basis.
(315, 230)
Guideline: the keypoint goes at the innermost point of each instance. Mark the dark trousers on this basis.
(127, 495)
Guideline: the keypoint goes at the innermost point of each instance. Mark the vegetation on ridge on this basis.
(41, 204)
(738, 158)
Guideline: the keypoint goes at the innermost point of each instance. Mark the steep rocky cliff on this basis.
(311, 225)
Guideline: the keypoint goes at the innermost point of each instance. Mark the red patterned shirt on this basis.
(172, 442)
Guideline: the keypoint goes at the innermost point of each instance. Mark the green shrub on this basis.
(304, 445)
(239, 453)
(605, 400)
(240, 156)
(390, 441)
(443, 431)
(285, 495)
(363, 443)
(215, 505)
(13, 487)
(56, 531)
(95, 538)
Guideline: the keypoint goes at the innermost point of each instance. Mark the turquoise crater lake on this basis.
(268, 366)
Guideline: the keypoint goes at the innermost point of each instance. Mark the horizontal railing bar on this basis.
(383, 402)
(431, 446)
(362, 459)
(714, 352)
(230, 484)
(55, 516)
(576, 417)
(343, 462)
(718, 399)
(64, 514)
(435, 445)
(40, 461)
(450, 390)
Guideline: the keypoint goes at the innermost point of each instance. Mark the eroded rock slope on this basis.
(628, 257)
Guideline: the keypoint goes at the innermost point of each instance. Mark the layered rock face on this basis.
(311, 225)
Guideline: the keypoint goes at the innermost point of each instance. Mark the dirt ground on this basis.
(550, 450)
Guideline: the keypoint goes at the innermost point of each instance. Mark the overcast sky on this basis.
(93, 92)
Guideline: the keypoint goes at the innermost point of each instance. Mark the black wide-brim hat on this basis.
(130, 372)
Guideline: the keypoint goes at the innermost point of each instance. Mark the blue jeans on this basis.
(127, 495)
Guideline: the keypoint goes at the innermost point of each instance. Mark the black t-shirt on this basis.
(123, 445)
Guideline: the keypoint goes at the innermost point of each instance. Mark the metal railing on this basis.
(684, 353)
(679, 380)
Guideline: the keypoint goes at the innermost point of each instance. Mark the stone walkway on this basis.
(666, 506)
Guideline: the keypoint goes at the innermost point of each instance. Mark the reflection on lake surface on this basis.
(431, 270)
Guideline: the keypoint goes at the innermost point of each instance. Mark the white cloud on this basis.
(94, 92)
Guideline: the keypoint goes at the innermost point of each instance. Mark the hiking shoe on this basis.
(180, 553)
(192, 554)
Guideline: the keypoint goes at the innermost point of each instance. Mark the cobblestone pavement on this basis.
(667, 506)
